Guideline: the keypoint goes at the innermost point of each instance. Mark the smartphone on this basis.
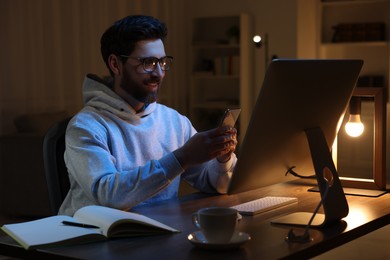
(230, 117)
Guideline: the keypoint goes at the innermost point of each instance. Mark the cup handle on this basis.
(195, 220)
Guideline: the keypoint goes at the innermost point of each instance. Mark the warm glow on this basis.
(354, 127)
(357, 216)
(257, 39)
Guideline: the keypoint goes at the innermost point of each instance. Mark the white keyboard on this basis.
(264, 204)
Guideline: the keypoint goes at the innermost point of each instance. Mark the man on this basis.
(123, 149)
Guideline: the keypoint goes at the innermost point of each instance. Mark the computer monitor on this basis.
(296, 95)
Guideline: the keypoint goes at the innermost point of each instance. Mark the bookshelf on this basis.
(357, 29)
(221, 70)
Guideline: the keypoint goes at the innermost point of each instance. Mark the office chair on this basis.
(55, 170)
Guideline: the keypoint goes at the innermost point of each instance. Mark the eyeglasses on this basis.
(150, 63)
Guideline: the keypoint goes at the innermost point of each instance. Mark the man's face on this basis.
(135, 82)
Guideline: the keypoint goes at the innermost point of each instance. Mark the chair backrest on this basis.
(55, 170)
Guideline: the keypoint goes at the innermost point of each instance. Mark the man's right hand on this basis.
(207, 145)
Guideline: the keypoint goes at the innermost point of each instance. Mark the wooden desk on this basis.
(366, 214)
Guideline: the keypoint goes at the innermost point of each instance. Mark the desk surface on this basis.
(267, 241)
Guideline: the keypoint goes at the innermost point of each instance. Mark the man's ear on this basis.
(115, 64)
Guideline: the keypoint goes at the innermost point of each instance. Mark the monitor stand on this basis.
(335, 205)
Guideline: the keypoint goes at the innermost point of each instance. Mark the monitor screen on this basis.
(296, 95)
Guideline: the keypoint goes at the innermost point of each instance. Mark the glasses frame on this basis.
(159, 61)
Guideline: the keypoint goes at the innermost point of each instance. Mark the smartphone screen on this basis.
(230, 117)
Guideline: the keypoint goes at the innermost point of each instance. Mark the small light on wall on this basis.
(257, 40)
(259, 43)
(354, 127)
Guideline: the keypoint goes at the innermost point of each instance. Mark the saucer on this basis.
(197, 239)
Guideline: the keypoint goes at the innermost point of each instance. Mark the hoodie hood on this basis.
(98, 95)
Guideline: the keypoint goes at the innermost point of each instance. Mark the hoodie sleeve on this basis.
(212, 176)
(97, 180)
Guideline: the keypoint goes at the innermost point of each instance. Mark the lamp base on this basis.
(357, 192)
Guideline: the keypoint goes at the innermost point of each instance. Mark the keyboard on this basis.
(264, 204)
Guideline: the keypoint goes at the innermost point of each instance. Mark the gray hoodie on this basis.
(119, 158)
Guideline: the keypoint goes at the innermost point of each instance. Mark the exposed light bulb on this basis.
(354, 127)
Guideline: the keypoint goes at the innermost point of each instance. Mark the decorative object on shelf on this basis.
(359, 32)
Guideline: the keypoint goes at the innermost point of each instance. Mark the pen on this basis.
(76, 224)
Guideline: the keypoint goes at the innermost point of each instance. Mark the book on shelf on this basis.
(89, 224)
(227, 65)
(359, 32)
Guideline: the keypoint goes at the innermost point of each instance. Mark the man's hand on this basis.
(217, 143)
(230, 146)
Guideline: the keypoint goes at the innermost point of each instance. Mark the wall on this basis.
(48, 46)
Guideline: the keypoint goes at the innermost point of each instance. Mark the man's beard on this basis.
(138, 92)
(150, 98)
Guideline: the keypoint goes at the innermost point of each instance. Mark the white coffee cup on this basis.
(216, 223)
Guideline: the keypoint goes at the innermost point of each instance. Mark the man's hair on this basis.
(122, 36)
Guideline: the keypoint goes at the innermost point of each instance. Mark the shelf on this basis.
(356, 19)
(352, 2)
(355, 44)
